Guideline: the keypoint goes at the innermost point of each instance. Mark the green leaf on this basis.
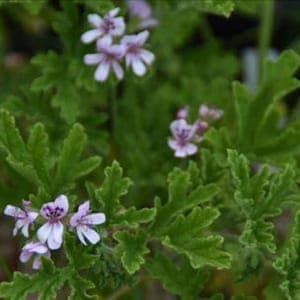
(113, 188)
(45, 283)
(57, 76)
(133, 217)
(69, 167)
(38, 150)
(255, 112)
(258, 198)
(79, 287)
(179, 279)
(287, 264)
(259, 234)
(131, 249)
(87, 166)
(184, 237)
(239, 168)
(10, 137)
(77, 255)
(285, 144)
(242, 99)
(181, 198)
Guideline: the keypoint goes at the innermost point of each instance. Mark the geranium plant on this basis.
(134, 164)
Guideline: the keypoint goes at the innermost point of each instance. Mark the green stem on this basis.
(113, 105)
(265, 32)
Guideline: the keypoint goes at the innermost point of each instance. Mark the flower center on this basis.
(183, 134)
(133, 49)
(107, 25)
(55, 213)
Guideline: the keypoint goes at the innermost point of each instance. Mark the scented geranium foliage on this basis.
(133, 163)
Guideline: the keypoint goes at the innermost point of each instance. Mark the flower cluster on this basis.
(50, 234)
(185, 136)
(112, 46)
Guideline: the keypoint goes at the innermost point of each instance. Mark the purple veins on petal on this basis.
(182, 140)
(52, 231)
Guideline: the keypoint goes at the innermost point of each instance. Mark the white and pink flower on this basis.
(107, 58)
(23, 217)
(82, 222)
(183, 137)
(142, 11)
(52, 231)
(136, 56)
(37, 249)
(107, 27)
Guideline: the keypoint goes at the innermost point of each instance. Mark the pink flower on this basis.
(38, 249)
(109, 56)
(182, 113)
(83, 222)
(107, 26)
(52, 231)
(136, 56)
(183, 135)
(209, 113)
(23, 217)
(142, 10)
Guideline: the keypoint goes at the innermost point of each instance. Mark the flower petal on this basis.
(82, 211)
(95, 219)
(79, 231)
(118, 70)
(84, 208)
(62, 202)
(148, 23)
(13, 211)
(142, 37)
(25, 230)
(90, 36)
(147, 56)
(93, 59)
(36, 262)
(119, 26)
(173, 144)
(102, 71)
(25, 256)
(95, 20)
(138, 67)
(91, 235)
(191, 149)
(180, 152)
(44, 232)
(55, 238)
(113, 12)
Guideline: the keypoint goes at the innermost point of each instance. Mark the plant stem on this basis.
(265, 32)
